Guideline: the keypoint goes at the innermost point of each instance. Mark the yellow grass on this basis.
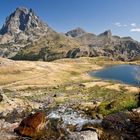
(24, 74)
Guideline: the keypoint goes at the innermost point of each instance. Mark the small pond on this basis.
(127, 74)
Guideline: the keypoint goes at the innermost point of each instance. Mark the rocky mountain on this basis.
(20, 28)
(25, 36)
(105, 44)
(23, 20)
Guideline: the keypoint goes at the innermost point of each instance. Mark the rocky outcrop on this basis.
(76, 32)
(32, 125)
(81, 45)
(69, 125)
(57, 127)
(125, 49)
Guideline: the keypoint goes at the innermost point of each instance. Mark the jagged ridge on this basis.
(25, 36)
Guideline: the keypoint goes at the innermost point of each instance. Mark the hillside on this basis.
(105, 44)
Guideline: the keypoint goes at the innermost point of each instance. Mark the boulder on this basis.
(84, 135)
(32, 125)
(136, 110)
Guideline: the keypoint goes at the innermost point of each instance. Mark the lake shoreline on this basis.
(107, 74)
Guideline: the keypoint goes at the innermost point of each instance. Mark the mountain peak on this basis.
(76, 32)
(23, 9)
(21, 20)
(106, 33)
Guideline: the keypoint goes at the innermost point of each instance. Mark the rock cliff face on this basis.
(24, 36)
(22, 20)
(105, 44)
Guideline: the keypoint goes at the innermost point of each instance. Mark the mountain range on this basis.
(24, 36)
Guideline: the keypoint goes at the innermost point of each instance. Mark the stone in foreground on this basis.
(32, 125)
(84, 135)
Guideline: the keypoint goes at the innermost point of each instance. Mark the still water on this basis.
(128, 74)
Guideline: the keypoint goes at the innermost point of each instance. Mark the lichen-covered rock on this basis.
(32, 125)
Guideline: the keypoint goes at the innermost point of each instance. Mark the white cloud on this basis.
(118, 24)
(135, 30)
(133, 24)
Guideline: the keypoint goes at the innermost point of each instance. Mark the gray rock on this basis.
(137, 110)
(76, 32)
(84, 135)
(22, 20)
(106, 33)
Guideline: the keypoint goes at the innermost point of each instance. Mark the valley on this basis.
(47, 91)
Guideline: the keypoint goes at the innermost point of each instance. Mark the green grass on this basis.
(118, 100)
(74, 73)
(111, 100)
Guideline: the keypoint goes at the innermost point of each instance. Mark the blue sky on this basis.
(121, 16)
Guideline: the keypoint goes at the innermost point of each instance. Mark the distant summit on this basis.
(21, 28)
(76, 32)
(107, 33)
(21, 20)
